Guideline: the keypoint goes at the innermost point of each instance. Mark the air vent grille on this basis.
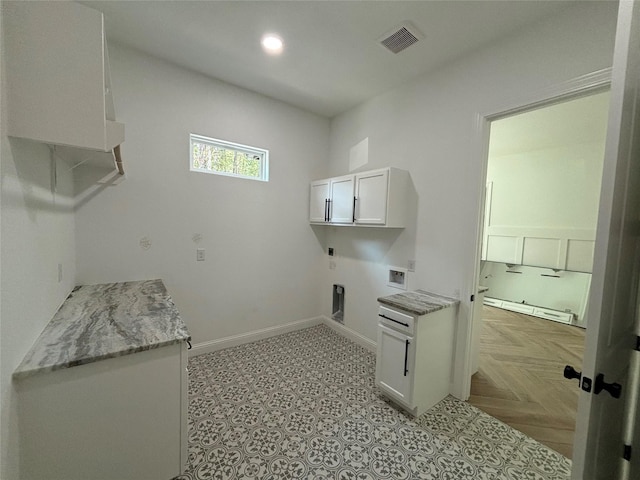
(400, 38)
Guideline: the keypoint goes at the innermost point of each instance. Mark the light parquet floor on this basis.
(520, 377)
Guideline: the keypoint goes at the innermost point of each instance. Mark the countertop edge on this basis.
(447, 302)
(21, 374)
(404, 308)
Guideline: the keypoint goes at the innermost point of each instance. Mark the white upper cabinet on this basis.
(319, 201)
(58, 76)
(376, 198)
(371, 197)
(341, 200)
(331, 200)
(381, 198)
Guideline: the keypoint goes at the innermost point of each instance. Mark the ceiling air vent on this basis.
(401, 37)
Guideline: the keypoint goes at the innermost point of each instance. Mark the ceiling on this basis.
(332, 59)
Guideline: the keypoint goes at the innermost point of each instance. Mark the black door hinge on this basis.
(473, 297)
(638, 344)
(626, 454)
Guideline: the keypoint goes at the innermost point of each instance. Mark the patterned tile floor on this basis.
(304, 406)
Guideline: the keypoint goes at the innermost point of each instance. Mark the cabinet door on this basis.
(341, 208)
(394, 364)
(371, 197)
(318, 198)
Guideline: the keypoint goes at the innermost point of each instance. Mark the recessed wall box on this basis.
(397, 278)
(337, 312)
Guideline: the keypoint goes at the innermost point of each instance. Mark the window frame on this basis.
(237, 147)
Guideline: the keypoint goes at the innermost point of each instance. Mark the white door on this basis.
(394, 363)
(610, 338)
(371, 197)
(341, 207)
(319, 201)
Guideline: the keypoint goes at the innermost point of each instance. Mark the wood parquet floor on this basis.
(520, 377)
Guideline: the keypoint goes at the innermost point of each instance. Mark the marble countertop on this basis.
(97, 322)
(418, 302)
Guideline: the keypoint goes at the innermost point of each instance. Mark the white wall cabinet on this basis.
(331, 200)
(58, 77)
(341, 200)
(376, 198)
(319, 201)
(372, 190)
(414, 357)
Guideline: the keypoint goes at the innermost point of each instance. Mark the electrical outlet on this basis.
(200, 254)
(411, 265)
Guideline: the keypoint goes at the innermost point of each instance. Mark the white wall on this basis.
(37, 231)
(262, 258)
(547, 188)
(428, 127)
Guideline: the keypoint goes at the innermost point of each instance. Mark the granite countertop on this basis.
(482, 289)
(97, 322)
(418, 302)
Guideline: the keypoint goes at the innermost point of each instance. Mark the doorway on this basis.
(544, 169)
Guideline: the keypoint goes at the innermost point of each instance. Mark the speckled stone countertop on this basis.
(482, 289)
(97, 322)
(418, 302)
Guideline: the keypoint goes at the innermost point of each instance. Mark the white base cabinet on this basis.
(122, 418)
(414, 357)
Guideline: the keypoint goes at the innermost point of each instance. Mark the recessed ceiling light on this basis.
(272, 44)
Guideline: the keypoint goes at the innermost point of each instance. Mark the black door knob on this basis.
(571, 373)
(615, 389)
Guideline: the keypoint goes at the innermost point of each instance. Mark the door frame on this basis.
(588, 84)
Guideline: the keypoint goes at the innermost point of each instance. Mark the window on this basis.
(209, 155)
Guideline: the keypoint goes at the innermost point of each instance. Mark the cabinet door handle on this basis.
(354, 209)
(389, 318)
(326, 209)
(406, 356)
(329, 210)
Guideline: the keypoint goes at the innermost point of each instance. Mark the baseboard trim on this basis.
(254, 336)
(351, 334)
